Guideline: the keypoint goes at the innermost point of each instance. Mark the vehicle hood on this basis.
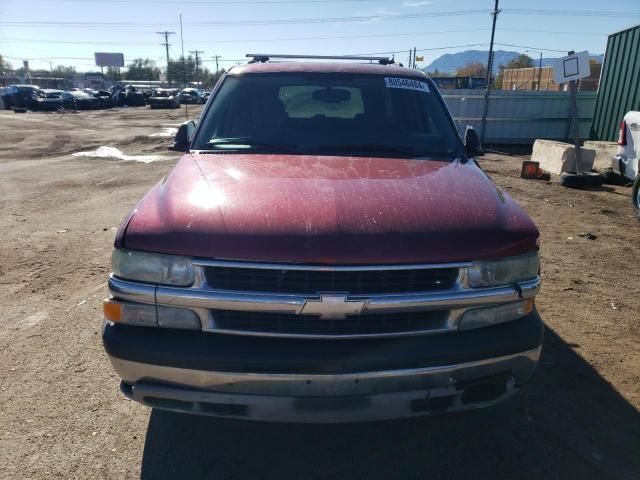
(328, 210)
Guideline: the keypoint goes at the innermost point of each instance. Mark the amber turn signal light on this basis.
(112, 310)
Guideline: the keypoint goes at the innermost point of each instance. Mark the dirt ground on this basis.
(62, 416)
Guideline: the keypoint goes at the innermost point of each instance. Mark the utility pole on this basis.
(414, 57)
(539, 71)
(494, 14)
(196, 53)
(184, 68)
(216, 57)
(166, 46)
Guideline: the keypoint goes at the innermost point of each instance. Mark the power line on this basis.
(319, 20)
(227, 2)
(449, 47)
(272, 39)
(392, 52)
(284, 39)
(570, 13)
(282, 21)
(532, 48)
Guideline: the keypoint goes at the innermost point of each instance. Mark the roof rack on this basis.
(265, 57)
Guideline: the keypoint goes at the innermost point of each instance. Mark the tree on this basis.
(59, 72)
(521, 61)
(113, 72)
(209, 79)
(5, 66)
(64, 72)
(437, 73)
(473, 69)
(142, 69)
(182, 70)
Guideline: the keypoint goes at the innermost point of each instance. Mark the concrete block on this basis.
(558, 157)
(605, 151)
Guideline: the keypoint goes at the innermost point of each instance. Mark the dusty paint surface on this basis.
(343, 210)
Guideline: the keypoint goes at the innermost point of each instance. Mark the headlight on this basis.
(505, 271)
(152, 267)
(487, 316)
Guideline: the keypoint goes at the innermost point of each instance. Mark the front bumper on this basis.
(323, 381)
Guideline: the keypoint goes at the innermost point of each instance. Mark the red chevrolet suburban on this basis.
(327, 249)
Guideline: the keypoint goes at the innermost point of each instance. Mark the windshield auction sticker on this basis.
(407, 84)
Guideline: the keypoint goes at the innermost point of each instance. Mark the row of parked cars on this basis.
(31, 97)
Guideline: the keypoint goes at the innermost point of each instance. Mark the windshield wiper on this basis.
(250, 143)
(382, 149)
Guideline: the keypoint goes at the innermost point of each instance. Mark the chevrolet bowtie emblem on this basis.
(333, 306)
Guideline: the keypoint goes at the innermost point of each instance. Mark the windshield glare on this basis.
(326, 114)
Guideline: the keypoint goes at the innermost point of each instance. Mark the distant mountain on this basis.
(450, 62)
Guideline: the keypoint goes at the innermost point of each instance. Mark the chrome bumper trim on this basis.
(323, 398)
(131, 291)
(520, 365)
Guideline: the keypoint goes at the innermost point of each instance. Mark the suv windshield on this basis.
(328, 114)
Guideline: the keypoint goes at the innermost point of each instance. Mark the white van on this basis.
(625, 162)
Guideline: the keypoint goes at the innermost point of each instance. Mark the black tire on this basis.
(610, 177)
(586, 180)
(635, 194)
(19, 110)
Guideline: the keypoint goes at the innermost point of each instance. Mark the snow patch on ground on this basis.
(166, 132)
(112, 152)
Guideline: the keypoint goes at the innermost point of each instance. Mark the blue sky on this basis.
(212, 26)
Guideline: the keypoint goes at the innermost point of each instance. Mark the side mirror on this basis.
(182, 140)
(472, 144)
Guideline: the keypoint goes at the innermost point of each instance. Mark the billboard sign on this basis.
(571, 67)
(109, 59)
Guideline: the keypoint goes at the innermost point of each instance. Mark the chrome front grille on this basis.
(294, 300)
(291, 324)
(310, 282)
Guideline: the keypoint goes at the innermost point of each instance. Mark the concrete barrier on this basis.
(605, 151)
(558, 157)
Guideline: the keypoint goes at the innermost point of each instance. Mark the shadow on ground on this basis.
(580, 428)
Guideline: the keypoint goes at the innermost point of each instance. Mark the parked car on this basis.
(78, 100)
(103, 97)
(20, 96)
(127, 95)
(3, 91)
(191, 96)
(52, 93)
(47, 100)
(165, 98)
(327, 250)
(625, 163)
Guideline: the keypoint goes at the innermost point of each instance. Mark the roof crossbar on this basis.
(265, 57)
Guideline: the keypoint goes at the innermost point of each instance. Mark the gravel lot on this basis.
(62, 416)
